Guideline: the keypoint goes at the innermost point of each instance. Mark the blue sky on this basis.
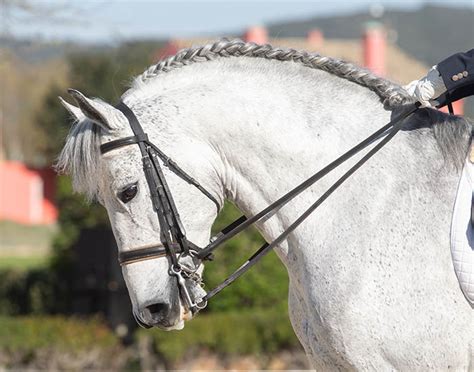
(118, 20)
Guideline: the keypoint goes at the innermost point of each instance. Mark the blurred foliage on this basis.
(53, 123)
(265, 285)
(98, 74)
(262, 331)
(23, 263)
(23, 87)
(49, 291)
(66, 334)
(265, 332)
(34, 291)
(70, 342)
(14, 235)
(75, 214)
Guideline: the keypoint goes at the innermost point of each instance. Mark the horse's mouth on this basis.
(187, 315)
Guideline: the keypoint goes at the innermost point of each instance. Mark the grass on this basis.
(243, 332)
(23, 263)
(24, 247)
(29, 333)
(24, 240)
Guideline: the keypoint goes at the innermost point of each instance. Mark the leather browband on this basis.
(112, 145)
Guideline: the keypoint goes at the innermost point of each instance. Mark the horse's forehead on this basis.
(122, 165)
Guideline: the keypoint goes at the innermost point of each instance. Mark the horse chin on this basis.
(165, 326)
(175, 327)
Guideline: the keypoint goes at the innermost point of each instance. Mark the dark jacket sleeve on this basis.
(457, 72)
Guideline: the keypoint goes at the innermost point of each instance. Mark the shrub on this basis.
(27, 334)
(227, 334)
(264, 286)
(59, 343)
(28, 292)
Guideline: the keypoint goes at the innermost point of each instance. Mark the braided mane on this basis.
(391, 94)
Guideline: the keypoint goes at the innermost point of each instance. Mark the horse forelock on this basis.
(80, 157)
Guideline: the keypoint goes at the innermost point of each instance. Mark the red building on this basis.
(26, 194)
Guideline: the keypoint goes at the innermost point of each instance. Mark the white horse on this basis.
(372, 285)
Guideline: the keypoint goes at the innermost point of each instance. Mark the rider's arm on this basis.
(453, 73)
(457, 70)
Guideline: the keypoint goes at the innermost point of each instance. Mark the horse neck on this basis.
(270, 124)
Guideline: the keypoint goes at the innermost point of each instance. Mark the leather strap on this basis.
(112, 145)
(141, 254)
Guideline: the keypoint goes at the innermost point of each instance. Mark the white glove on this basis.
(427, 88)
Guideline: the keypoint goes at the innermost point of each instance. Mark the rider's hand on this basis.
(428, 88)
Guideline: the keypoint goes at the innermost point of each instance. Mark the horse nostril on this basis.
(158, 310)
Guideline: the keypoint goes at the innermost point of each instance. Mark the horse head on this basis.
(116, 178)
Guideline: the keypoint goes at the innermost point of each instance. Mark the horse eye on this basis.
(129, 193)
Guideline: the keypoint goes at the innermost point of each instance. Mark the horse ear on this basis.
(75, 112)
(97, 111)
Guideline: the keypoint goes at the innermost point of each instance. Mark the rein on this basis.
(174, 243)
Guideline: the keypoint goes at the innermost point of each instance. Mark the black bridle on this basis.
(174, 243)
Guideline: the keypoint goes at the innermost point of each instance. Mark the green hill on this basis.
(430, 33)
